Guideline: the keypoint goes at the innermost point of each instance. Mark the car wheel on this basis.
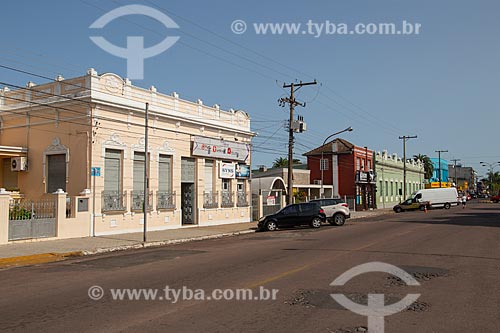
(316, 222)
(422, 208)
(495, 201)
(398, 210)
(271, 226)
(447, 205)
(337, 219)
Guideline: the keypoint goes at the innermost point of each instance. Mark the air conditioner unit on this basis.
(317, 182)
(19, 163)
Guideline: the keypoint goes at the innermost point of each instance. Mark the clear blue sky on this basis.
(442, 85)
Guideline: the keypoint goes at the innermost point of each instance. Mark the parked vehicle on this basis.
(336, 210)
(309, 213)
(411, 204)
(495, 198)
(437, 197)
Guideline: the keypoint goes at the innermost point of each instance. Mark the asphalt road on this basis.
(453, 254)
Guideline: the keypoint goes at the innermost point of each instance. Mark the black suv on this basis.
(309, 213)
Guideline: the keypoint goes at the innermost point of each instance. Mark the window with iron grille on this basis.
(113, 196)
(210, 199)
(241, 195)
(165, 197)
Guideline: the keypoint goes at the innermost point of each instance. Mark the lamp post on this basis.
(321, 164)
(490, 166)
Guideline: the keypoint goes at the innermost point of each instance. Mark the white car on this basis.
(336, 210)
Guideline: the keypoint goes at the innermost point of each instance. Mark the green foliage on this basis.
(300, 196)
(428, 166)
(492, 180)
(19, 213)
(282, 162)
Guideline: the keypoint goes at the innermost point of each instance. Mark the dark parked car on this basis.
(309, 213)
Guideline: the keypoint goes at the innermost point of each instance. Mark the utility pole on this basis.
(455, 160)
(405, 138)
(293, 103)
(439, 161)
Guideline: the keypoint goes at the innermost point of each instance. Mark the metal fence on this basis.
(32, 219)
(137, 201)
(165, 200)
(271, 201)
(114, 201)
(227, 199)
(210, 199)
(241, 199)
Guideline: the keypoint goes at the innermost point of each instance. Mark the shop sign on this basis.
(242, 171)
(227, 170)
(216, 148)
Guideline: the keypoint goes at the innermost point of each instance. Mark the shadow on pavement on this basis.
(473, 216)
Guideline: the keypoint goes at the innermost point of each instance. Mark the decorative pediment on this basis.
(114, 140)
(56, 147)
(165, 148)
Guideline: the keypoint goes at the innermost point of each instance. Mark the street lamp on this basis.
(321, 165)
(490, 166)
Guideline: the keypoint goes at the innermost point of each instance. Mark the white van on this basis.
(438, 197)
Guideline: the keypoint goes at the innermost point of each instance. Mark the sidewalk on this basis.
(25, 253)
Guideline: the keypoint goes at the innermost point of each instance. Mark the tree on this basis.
(282, 162)
(493, 181)
(428, 166)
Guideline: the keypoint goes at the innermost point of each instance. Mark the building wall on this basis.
(63, 127)
(111, 115)
(389, 171)
(444, 170)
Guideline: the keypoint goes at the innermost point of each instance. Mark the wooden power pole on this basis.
(293, 103)
(405, 138)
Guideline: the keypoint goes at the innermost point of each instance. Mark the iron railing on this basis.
(210, 199)
(30, 209)
(165, 200)
(114, 201)
(137, 201)
(227, 199)
(242, 199)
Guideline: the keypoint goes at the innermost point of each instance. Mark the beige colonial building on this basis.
(85, 135)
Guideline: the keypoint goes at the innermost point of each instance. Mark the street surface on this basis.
(454, 255)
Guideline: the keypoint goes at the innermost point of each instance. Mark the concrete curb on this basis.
(163, 243)
(42, 258)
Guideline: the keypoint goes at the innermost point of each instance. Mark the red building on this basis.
(347, 167)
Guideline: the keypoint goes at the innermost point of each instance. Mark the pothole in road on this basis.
(420, 273)
(358, 329)
(318, 298)
(418, 306)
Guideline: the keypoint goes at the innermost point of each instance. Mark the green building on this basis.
(389, 171)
